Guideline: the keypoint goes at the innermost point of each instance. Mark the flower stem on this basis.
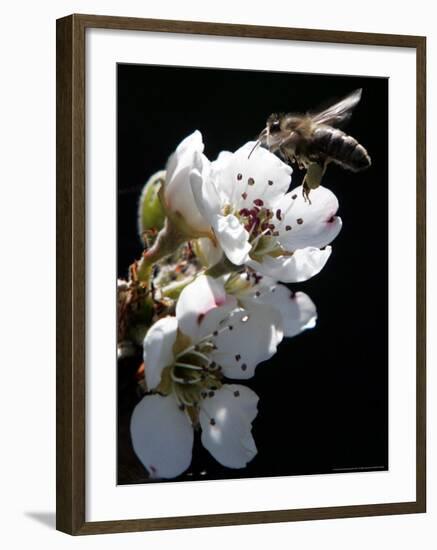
(167, 242)
(173, 290)
(223, 267)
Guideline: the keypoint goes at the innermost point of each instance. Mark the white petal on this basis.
(226, 421)
(158, 349)
(254, 338)
(187, 146)
(297, 309)
(178, 194)
(301, 266)
(204, 192)
(312, 223)
(233, 238)
(201, 306)
(162, 436)
(251, 175)
(221, 162)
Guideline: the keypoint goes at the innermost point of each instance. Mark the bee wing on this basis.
(340, 112)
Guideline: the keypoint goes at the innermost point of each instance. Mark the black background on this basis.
(324, 396)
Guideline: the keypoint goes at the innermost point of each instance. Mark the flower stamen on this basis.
(188, 366)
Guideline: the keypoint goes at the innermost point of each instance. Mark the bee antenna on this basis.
(254, 147)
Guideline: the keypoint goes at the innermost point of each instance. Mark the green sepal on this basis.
(151, 215)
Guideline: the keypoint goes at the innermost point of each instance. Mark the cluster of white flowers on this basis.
(252, 233)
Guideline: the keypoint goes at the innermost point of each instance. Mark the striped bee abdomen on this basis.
(341, 148)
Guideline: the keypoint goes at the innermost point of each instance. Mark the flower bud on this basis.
(183, 219)
(151, 215)
(179, 203)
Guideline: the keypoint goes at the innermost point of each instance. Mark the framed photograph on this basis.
(240, 274)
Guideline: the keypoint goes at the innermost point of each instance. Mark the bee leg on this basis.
(306, 192)
(313, 178)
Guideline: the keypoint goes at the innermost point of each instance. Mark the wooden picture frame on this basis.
(71, 275)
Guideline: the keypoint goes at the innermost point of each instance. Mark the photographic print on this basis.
(252, 292)
(240, 274)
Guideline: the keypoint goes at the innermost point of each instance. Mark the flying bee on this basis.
(311, 140)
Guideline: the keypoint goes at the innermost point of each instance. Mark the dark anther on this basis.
(258, 202)
(299, 221)
(212, 422)
(278, 214)
(251, 181)
(236, 393)
(243, 366)
(270, 182)
(237, 357)
(231, 327)
(211, 394)
(239, 177)
(287, 227)
(244, 195)
(294, 197)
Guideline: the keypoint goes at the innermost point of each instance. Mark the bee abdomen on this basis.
(341, 148)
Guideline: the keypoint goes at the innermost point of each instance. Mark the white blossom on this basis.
(186, 358)
(257, 221)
